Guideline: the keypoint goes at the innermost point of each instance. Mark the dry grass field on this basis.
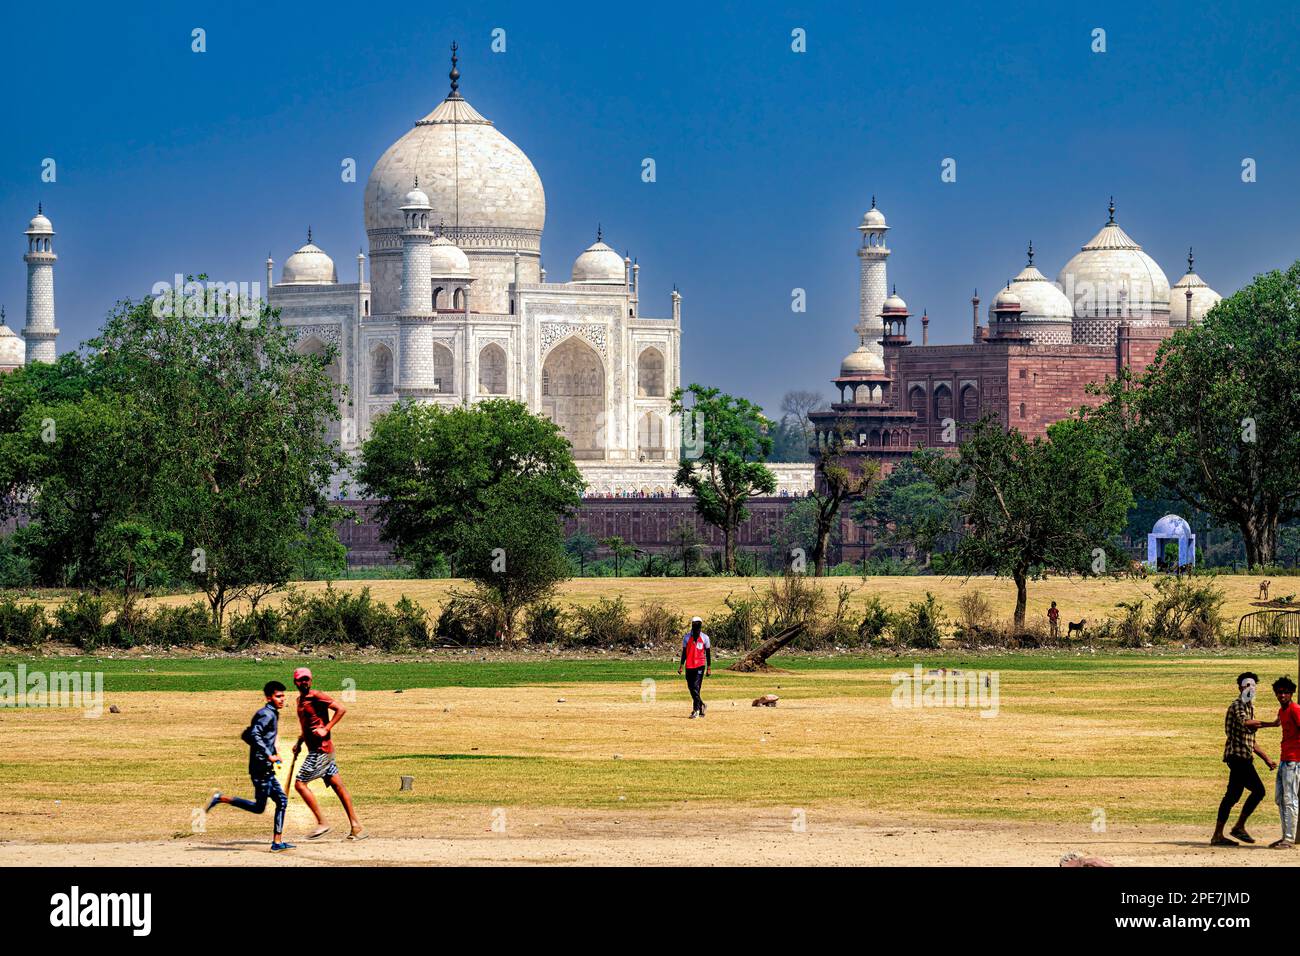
(552, 761)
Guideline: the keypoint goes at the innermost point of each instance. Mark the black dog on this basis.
(1076, 626)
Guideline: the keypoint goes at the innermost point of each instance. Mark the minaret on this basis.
(40, 332)
(270, 272)
(975, 316)
(874, 254)
(415, 365)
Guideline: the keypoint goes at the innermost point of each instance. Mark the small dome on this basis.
(599, 265)
(309, 266)
(1006, 301)
(1040, 297)
(1171, 526)
(1203, 298)
(861, 361)
(873, 219)
(447, 261)
(893, 305)
(416, 199)
(13, 350)
(41, 225)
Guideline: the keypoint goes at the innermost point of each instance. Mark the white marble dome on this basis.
(1203, 299)
(475, 178)
(1040, 297)
(861, 361)
(873, 219)
(41, 225)
(1171, 526)
(309, 266)
(1005, 300)
(599, 265)
(417, 198)
(893, 303)
(13, 350)
(1112, 277)
(447, 261)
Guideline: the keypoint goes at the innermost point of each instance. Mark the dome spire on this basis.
(1031, 253)
(309, 235)
(1190, 259)
(873, 200)
(454, 75)
(598, 233)
(1111, 208)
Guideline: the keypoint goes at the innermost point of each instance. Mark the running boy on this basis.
(697, 658)
(314, 717)
(260, 736)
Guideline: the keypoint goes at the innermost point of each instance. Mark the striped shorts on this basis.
(317, 766)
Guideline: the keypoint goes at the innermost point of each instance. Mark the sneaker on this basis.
(694, 714)
(216, 798)
(277, 847)
(703, 708)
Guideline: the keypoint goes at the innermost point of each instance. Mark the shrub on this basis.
(547, 623)
(604, 624)
(189, 625)
(839, 630)
(80, 621)
(263, 626)
(1187, 610)
(467, 619)
(1130, 630)
(974, 616)
(921, 625)
(875, 621)
(735, 629)
(658, 625)
(22, 624)
(412, 622)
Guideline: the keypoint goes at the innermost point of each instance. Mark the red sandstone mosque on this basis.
(1045, 342)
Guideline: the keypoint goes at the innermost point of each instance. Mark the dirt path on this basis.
(691, 837)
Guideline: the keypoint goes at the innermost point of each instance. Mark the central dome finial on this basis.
(454, 75)
(1190, 260)
(309, 235)
(1111, 221)
(599, 233)
(1031, 252)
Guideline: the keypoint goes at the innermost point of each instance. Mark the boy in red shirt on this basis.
(314, 718)
(697, 658)
(1288, 766)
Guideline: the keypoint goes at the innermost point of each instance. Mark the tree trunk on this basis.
(1022, 596)
(1260, 535)
(819, 553)
(728, 544)
(756, 660)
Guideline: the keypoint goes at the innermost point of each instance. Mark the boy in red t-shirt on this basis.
(314, 718)
(1288, 766)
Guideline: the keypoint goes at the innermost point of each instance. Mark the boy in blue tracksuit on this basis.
(262, 758)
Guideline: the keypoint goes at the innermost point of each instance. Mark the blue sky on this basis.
(766, 159)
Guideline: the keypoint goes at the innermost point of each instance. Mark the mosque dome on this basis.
(1203, 298)
(861, 361)
(874, 218)
(476, 179)
(1040, 297)
(1112, 277)
(417, 198)
(309, 266)
(1006, 300)
(600, 265)
(893, 304)
(13, 350)
(447, 260)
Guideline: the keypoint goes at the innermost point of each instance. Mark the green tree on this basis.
(838, 481)
(183, 421)
(686, 542)
(487, 485)
(620, 550)
(582, 546)
(723, 464)
(1025, 506)
(908, 509)
(1215, 419)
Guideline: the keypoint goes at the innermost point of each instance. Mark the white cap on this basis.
(697, 620)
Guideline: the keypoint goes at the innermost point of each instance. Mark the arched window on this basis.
(437, 296)
(916, 402)
(458, 298)
(942, 403)
(381, 370)
(1022, 409)
(970, 403)
(492, 370)
(444, 380)
(650, 437)
(862, 394)
(650, 374)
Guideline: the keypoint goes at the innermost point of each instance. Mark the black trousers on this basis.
(1242, 777)
(694, 681)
